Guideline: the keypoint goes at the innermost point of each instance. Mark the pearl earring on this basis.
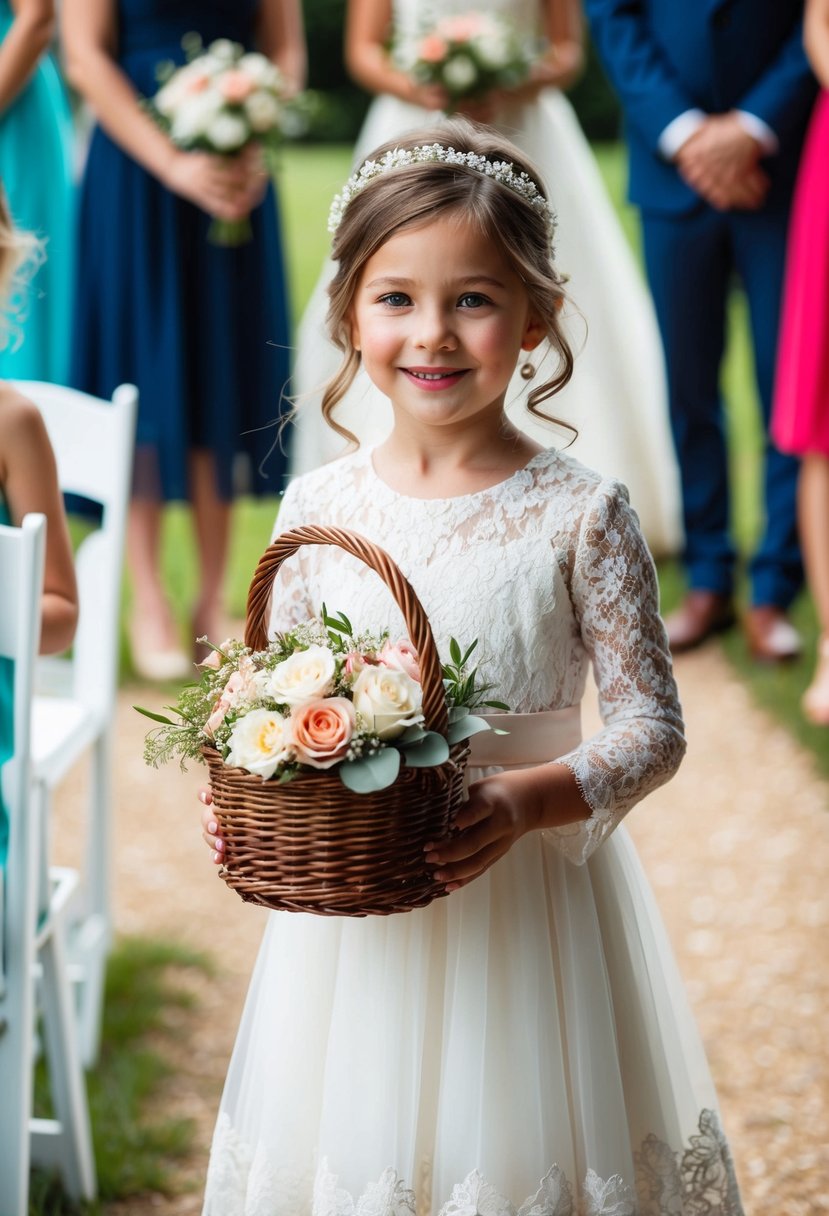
(527, 370)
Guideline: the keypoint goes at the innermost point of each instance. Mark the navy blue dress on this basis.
(202, 330)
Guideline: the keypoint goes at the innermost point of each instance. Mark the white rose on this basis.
(305, 676)
(493, 49)
(223, 49)
(194, 115)
(227, 132)
(460, 74)
(263, 111)
(259, 741)
(387, 700)
(261, 70)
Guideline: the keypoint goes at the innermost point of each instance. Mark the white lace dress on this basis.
(522, 1047)
(617, 398)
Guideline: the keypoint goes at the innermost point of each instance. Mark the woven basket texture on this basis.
(310, 844)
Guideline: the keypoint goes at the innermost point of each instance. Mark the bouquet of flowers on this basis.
(221, 101)
(319, 697)
(469, 55)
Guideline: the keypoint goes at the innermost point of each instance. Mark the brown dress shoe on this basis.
(771, 636)
(700, 615)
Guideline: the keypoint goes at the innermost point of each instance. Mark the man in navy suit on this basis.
(716, 96)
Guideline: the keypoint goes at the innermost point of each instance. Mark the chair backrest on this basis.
(93, 442)
(21, 589)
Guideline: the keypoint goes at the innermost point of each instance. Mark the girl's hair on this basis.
(18, 250)
(413, 195)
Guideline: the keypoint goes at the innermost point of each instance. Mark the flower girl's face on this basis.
(440, 318)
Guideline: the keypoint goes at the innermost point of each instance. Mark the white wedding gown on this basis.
(617, 398)
(522, 1047)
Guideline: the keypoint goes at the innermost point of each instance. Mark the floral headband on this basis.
(501, 171)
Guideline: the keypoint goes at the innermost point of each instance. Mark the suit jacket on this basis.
(667, 56)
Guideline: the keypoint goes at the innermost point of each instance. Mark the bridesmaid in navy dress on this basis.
(202, 330)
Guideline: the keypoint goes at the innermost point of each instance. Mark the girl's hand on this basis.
(427, 96)
(224, 187)
(210, 827)
(499, 811)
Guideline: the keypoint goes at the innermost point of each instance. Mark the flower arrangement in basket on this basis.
(469, 54)
(334, 755)
(221, 101)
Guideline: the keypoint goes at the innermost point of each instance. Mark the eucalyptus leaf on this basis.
(464, 728)
(371, 773)
(412, 734)
(456, 712)
(431, 750)
(148, 713)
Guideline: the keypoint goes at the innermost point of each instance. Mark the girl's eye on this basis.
(473, 299)
(395, 299)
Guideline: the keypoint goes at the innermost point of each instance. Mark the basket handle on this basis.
(417, 623)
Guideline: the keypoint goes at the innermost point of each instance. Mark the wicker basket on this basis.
(310, 844)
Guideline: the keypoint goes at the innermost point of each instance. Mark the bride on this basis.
(614, 328)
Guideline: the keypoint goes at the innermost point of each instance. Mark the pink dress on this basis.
(800, 422)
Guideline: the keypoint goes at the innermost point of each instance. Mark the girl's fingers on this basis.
(466, 845)
(472, 867)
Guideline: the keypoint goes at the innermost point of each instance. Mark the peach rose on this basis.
(235, 86)
(432, 49)
(196, 83)
(322, 731)
(462, 28)
(401, 656)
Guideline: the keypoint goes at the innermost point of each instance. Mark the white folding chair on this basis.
(74, 707)
(32, 946)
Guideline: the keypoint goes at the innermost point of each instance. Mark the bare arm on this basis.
(28, 37)
(563, 61)
(816, 38)
(30, 483)
(217, 185)
(281, 36)
(368, 61)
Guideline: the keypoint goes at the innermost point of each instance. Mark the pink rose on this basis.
(322, 731)
(241, 686)
(213, 660)
(197, 83)
(401, 656)
(235, 86)
(462, 28)
(432, 49)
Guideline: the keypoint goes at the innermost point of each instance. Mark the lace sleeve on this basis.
(615, 597)
(290, 601)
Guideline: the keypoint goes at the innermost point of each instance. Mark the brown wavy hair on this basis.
(411, 196)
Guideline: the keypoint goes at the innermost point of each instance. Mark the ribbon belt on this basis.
(532, 739)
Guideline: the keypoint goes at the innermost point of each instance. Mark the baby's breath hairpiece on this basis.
(501, 171)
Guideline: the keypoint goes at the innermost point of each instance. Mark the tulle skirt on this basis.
(523, 1046)
(617, 399)
(800, 422)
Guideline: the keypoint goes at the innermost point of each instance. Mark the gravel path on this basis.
(737, 848)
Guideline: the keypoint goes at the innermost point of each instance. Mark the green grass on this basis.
(145, 1012)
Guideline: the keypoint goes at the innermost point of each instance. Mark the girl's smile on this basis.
(440, 318)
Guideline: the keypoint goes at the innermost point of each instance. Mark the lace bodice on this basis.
(547, 570)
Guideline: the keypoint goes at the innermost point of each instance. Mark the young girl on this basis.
(522, 1046)
(29, 482)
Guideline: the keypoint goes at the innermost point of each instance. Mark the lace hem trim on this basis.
(698, 1181)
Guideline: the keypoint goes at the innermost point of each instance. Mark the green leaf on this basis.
(465, 658)
(371, 773)
(464, 728)
(455, 652)
(429, 752)
(148, 713)
(497, 705)
(456, 712)
(412, 734)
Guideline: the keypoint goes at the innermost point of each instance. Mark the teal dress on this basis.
(36, 172)
(6, 721)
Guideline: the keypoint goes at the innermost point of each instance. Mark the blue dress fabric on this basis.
(36, 172)
(202, 330)
(6, 722)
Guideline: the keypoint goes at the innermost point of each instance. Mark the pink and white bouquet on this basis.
(469, 54)
(221, 101)
(318, 697)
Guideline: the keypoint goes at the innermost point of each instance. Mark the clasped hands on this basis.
(226, 187)
(721, 162)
